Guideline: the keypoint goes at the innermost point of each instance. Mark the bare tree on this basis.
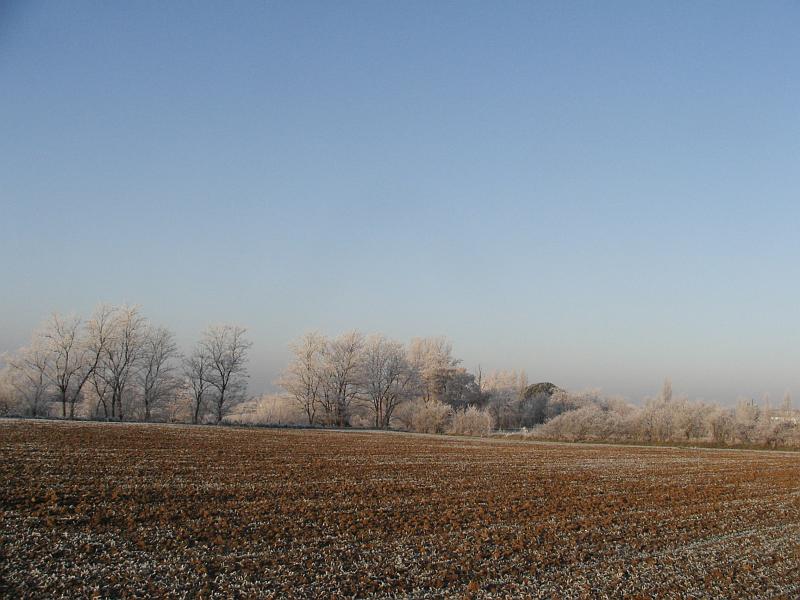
(197, 371)
(99, 392)
(178, 407)
(28, 375)
(746, 419)
(504, 392)
(226, 348)
(342, 374)
(98, 337)
(304, 378)
(433, 358)
(691, 419)
(157, 375)
(121, 340)
(8, 393)
(388, 378)
(73, 359)
(722, 425)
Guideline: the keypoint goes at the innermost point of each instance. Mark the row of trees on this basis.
(326, 377)
(336, 380)
(117, 365)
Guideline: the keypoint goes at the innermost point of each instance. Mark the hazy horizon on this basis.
(603, 198)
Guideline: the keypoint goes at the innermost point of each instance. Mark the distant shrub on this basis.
(472, 421)
(270, 409)
(587, 423)
(361, 421)
(668, 419)
(429, 416)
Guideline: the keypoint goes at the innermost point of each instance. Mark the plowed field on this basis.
(153, 510)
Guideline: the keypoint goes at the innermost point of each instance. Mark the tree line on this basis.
(117, 365)
(336, 381)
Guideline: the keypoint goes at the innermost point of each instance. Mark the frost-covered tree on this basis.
(342, 367)
(304, 378)
(73, 359)
(157, 376)
(433, 358)
(26, 373)
(690, 420)
(8, 394)
(197, 374)
(722, 425)
(226, 347)
(503, 391)
(388, 377)
(118, 334)
(746, 420)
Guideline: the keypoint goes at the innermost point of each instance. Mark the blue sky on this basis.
(602, 194)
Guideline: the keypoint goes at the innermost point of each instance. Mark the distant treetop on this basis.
(545, 388)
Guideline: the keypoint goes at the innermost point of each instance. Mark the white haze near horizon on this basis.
(598, 368)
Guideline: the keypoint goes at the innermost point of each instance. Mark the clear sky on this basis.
(603, 194)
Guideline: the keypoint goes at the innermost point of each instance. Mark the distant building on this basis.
(792, 419)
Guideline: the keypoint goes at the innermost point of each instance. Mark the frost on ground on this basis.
(147, 510)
